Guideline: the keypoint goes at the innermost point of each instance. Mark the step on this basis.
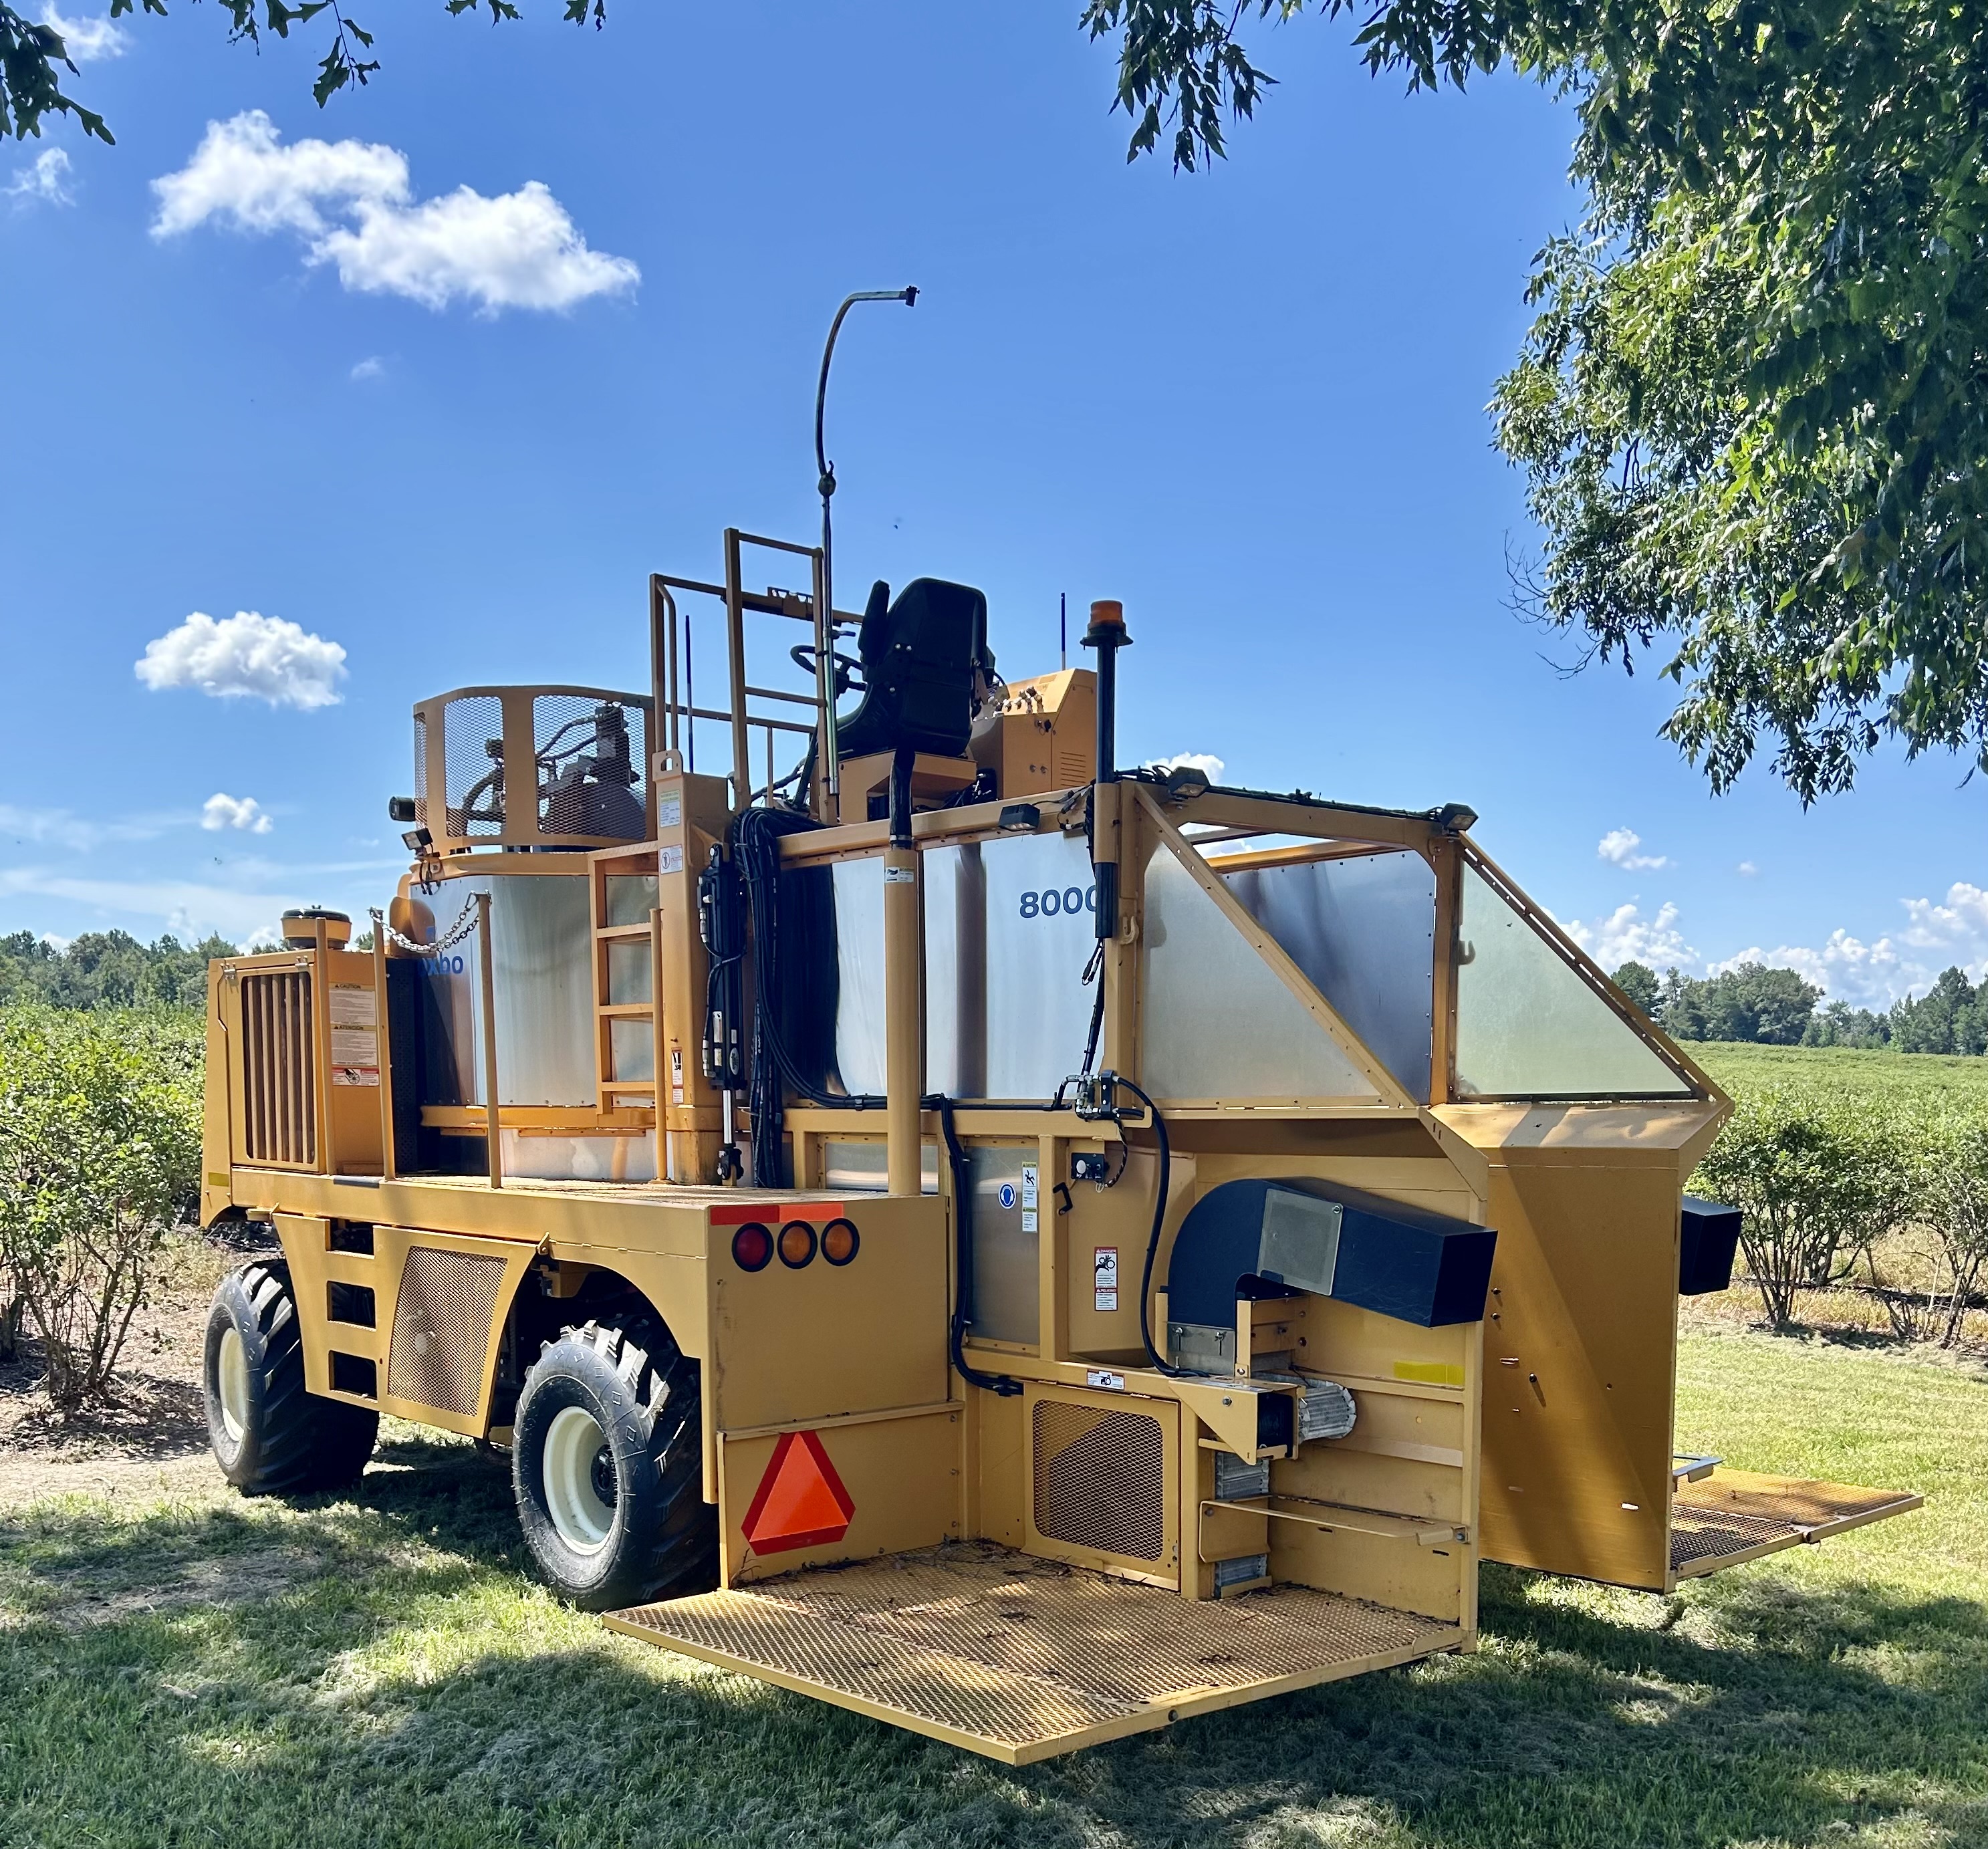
(1020, 1659)
(1731, 1516)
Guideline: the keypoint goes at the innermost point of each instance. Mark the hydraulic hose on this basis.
(1154, 1358)
(1005, 1384)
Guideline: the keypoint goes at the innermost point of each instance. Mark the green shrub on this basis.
(1817, 1179)
(100, 1153)
(1949, 1204)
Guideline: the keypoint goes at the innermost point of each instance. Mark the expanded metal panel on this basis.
(590, 754)
(1734, 1515)
(1100, 1478)
(278, 1069)
(1017, 1652)
(422, 770)
(473, 757)
(441, 1328)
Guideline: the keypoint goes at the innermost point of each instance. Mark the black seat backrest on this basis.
(920, 656)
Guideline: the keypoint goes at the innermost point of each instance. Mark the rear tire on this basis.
(270, 1436)
(606, 1461)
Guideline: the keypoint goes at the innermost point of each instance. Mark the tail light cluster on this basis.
(755, 1244)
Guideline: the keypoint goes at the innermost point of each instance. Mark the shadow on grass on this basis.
(379, 1669)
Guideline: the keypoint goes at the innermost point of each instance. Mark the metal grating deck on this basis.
(1022, 1658)
(1733, 1515)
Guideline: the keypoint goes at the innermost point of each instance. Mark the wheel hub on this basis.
(581, 1487)
(232, 1384)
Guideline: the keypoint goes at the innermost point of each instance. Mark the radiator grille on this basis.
(278, 1069)
(1100, 1478)
(441, 1328)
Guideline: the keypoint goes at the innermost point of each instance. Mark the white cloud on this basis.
(1210, 766)
(518, 250)
(1626, 936)
(220, 811)
(1746, 869)
(1937, 934)
(64, 830)
(1619, 847)
(370, 368)
(246, 654)
(86, 40)
(44, 180)
(187, 908)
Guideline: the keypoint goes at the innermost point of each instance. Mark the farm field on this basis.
(1906, 1076)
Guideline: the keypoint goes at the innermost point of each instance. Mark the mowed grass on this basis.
(380, 1670)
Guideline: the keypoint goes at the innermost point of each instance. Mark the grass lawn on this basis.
(380, 1670)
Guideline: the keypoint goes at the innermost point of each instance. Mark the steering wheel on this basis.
(847, 667)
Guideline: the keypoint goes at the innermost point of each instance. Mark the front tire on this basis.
(270, 1436)
(606, 1461)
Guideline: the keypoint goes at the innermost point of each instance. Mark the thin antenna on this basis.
(1063, 626)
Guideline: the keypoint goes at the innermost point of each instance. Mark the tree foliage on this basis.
(1751, 411)
(33, 57)
(106, 969)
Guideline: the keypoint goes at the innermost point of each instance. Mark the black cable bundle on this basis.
(780, 942)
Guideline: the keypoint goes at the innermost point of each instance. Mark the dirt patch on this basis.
(150, 1436)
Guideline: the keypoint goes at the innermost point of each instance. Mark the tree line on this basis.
(106, 969)
(1775, 1007)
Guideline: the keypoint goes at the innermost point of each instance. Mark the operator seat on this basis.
(925, 663)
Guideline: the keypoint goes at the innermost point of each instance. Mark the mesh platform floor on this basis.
(1733, 1515)
(1020, 1659)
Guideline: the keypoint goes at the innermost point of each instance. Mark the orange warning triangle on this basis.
(800, 1502)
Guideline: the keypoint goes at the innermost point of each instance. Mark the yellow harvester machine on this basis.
(1025, 1251)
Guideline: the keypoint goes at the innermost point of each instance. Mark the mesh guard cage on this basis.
(532, 767)
(441, 1328)
(1100, 1478)
(473, 755)
(589, 751)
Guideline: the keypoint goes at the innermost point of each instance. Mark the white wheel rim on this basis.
(231, 1373)
(581, 1517)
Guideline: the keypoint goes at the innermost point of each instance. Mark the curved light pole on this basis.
(824, 665)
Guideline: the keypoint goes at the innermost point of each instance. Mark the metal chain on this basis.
(448, 940)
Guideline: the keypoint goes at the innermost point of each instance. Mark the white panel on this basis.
(1217, 1022)
(1527, 1026)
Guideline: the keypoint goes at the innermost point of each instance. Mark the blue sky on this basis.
(321, 386)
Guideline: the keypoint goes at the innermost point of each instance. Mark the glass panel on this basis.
(630, 974)
(631, 897)
(631, 1050)
(1363, 929)
(1009, 924)
(1216, 1022)
(1528, 1027)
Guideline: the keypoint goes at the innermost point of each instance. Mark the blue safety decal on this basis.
(1007, 1194)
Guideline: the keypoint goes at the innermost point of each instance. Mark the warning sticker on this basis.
(355, 1045)
(669, 812)
(1028, 1185)
(1104, 1377)
(1029, 1219)
(354, 1007)
(669, 859)
(1104, 1270)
